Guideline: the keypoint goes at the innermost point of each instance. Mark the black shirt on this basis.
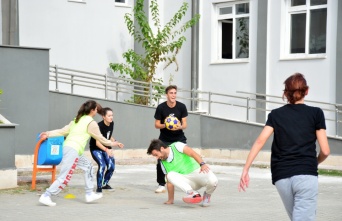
(294, 141)
(163, 111)
(106, 131)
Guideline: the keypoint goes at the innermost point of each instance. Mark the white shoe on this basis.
(206, 199)
(93, 196)
(160, 189)
(46, 200)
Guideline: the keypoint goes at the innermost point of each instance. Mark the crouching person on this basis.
(185, 169)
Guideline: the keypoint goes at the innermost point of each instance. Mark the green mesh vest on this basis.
(78, 135)
(181, 162)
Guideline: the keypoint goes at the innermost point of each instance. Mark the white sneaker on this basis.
(46, 200)
(93, 196)
(206, 199)
(160, 189)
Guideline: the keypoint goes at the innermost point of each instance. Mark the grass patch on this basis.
(330, 172)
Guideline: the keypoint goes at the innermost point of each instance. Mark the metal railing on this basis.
(123, 89)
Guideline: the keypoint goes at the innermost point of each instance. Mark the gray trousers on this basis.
(299, 196)
(70, 161)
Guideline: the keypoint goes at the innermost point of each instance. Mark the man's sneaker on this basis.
(99, 191)
(160, 189)
(193, 197)
(206, 199)
(46, 200)
(107, 187)
(92, 197)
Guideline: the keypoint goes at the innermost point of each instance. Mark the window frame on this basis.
(301, 9)
(216, 57)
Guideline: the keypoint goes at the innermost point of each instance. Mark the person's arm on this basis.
(257, 146)
(94, 131)
(170, 192)
(183, 125)
(190, 152)
(55, 133)
(324, 145)
(159, 125)
(105, 149)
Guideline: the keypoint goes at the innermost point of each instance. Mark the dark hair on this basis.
(86, 108)
(169, 88)
(156, 144)
(295, 88)
(105, 110)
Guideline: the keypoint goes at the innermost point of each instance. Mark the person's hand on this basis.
(178, 126)
(168, 202)
(43, 135)
(204, 168)
(109, 152)
(118, 144)
(244, 181)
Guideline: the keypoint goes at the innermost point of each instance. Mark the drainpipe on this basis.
(194, 55)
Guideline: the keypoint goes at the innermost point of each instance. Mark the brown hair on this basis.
(86, 108)
(156, 144)
(170, 87)
(295, 88)
(105, 110)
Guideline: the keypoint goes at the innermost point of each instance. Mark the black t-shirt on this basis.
(294, 141)
(106, 131)
(162, 112)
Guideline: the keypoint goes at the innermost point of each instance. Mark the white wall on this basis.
(83, 36)
(0, 24)
(320, 73)
(225, 77)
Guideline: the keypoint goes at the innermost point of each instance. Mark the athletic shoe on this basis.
(160, 189)
(98, 190)
(206, 199)
(107, 187)
(92, 197)
(46, 200)
(193, 197)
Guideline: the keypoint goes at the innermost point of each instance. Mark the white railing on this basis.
(120, 89)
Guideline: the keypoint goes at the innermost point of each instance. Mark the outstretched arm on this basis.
(257, 146)
(170, 193)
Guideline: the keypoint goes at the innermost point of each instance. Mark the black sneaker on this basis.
(107, 187)
(98, 190)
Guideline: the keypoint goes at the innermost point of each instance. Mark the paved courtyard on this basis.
(134, 199)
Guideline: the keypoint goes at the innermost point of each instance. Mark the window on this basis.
(120, 1)
(232, 30)
(307, 27)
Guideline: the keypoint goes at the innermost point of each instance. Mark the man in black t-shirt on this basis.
(172, 108)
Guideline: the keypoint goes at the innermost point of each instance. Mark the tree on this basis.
(159, 46)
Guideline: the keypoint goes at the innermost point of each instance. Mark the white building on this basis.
(241, 46)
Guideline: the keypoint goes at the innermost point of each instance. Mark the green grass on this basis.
(330, 172)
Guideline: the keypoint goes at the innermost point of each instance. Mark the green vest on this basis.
(78, 135)
(181, 162)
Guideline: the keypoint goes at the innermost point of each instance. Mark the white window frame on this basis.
(216, 57)
(285, 52)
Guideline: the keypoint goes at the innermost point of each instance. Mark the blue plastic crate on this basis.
(51, 151)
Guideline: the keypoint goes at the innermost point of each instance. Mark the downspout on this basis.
(194, 56)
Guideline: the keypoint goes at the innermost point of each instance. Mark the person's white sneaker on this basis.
(46, 200)
(206, 199)
(92, 197)
(160, 189)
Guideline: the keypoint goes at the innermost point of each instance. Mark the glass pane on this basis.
(227, 38)
(242, 37)
(318, 2)
(298, 2)
(122, 1)
(318, 29)
(227, 10)
(242, 8)
(298, 24)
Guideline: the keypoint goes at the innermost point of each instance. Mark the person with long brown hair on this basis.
(294, 161)
(77, 134)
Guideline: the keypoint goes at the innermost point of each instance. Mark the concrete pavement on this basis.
(134, 199)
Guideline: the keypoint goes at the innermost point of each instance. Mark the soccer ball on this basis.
(171, 122)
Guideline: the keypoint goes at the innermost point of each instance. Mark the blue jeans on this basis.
(103, 160)
(299, 196)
